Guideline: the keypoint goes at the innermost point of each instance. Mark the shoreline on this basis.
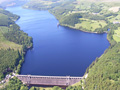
(23, 54)
(64, 24)
(80, 29)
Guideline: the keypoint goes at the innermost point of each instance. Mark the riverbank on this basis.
(23, 53)
(78, 29)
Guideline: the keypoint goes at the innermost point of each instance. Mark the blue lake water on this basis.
(57, 51)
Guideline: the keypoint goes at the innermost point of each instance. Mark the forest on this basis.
(19, 37)
(13, 44)
(71, 19)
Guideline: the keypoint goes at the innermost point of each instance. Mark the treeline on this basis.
(10, 58)
(79, 87)
(95, 8)
(110, 14)
(14, 33)
(104, 74)
(74, 18)
(71, 19)
(10, 15)
(93, 17)
(5, 20)
(19, 37)
(15, 84)
(109, 26)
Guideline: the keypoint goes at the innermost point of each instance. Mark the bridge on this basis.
(62, 81)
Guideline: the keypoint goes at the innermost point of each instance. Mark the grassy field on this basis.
(60, 9)
(5, 44)
(116, 35)
(115, 19)
(82, 6)
(91, 24)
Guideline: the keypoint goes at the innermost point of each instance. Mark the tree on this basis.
(56, 88)
(32, 88)
(24, 88)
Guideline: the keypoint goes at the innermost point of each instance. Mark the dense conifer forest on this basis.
(13, 44)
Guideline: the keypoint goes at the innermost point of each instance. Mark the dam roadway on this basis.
(62, 81)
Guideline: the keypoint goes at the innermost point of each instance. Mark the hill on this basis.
(13, 43)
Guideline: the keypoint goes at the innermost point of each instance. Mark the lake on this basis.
(59, 51)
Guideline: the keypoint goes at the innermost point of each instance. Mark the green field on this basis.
(90, 24)
(4, 43)
(114, 18)
(116, 35)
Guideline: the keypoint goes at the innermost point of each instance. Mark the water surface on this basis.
(57, 51)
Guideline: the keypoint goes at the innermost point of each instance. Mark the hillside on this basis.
(13, 43)
(94, 16)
